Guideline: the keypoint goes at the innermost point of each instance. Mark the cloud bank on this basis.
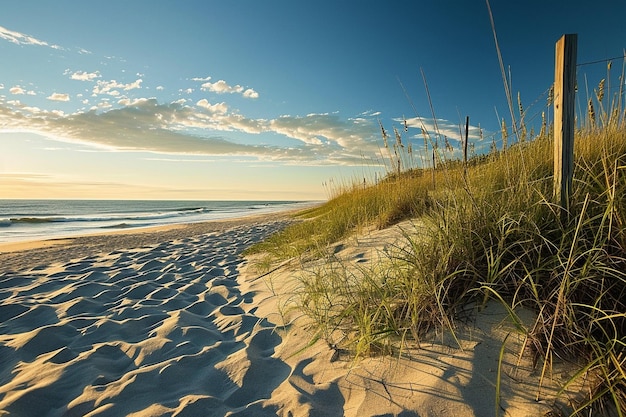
(147, 125)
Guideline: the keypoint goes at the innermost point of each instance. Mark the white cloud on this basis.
(442, 128)
(85, 76)
(1, 86)
(201, 79)
(31, 109)
(126, 102)
(250, 93)
(221, 108)
(111, 87)
(160, 88)
(221, 87)
(179, 128)
(59, 97)
(329, 129)
(103, 105)
(17, 90)
(133, 85)
(22, 39)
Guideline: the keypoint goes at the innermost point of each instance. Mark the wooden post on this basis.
(465, 145)
(564, 96)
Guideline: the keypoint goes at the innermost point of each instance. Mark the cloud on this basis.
(103, 105)
(250, 93)
(22, 39)
(222, 87)
(127, 102)
(327, 128)
(59, 97)
(213, 108)
(17, 90)
(442, 128)
(84, 76)
(203, 128)
(142, 124)
(446, 130)
(111, 87)
(160, 88)
(201, 79)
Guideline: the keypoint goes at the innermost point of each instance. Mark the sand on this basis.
(175, 322)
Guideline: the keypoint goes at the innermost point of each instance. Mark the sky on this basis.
(271, 100)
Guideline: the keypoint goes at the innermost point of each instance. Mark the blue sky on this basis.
(265, 100)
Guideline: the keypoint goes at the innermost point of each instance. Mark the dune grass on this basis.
(491, 232)
(353, 208)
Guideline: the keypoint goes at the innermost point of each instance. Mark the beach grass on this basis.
(490, 230)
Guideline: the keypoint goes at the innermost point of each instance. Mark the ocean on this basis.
(23, 220)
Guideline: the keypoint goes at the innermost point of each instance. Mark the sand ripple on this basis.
(159, 330)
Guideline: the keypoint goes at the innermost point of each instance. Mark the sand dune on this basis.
(177, 323)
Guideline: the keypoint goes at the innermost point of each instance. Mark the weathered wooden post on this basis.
(465, 146)
(564, 96)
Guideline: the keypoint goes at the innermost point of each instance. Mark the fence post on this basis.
(465, 145)
(564, 96)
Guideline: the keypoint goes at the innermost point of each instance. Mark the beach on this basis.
(173, 321)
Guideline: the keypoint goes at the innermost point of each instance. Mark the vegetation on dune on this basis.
(488, 230)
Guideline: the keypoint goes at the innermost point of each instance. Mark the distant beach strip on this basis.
(22, 220)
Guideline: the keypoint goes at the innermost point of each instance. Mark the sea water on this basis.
(23, 220)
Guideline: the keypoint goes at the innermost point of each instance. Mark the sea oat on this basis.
(600, 91)
(398, 137)
(591, 113)
(505, 135)
(384, 133)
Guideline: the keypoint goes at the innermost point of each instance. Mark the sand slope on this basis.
(445, 376)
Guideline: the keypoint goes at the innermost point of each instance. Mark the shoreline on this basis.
(62, 249)
(34, 220)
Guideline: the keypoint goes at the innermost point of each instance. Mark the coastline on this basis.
(59, 249)
(31, 220)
